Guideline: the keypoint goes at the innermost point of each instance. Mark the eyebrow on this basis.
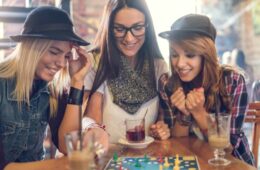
(60, 50)
(56, 48)
(137, 23)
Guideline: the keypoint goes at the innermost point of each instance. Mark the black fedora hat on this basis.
(191, 24)
(49, 22)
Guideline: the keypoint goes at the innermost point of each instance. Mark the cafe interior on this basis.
(238, 27)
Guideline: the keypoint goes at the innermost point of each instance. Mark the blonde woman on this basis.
(32, 80)
(198, 83)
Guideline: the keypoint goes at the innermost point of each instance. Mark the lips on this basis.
(52, 71)
(184, 72)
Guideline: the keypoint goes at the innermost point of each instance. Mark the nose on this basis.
(129, 36)
(181, 61)
(61, 61)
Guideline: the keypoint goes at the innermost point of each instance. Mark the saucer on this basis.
(141, 145)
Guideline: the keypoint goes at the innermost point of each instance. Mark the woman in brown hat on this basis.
(32, 80)
(199, 85)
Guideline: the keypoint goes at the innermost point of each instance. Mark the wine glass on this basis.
(219, 137)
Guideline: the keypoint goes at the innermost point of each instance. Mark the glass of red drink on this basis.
(135, 131)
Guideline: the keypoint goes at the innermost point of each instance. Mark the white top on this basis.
(114, 116)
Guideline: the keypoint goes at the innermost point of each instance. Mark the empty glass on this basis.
(219, 137)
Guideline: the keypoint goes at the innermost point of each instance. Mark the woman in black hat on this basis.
(130, 64)
(199, 85)
(32, 81)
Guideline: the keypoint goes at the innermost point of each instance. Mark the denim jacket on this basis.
(22, 130)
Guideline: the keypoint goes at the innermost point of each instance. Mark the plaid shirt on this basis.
(236, 88)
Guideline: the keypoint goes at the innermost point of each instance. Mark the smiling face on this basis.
(53, 60)
(129, 45)
(187, 64)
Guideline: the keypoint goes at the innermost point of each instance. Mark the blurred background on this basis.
(237, 23)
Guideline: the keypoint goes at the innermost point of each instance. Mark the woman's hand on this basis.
(160, 130)
(195, 101)
(100, 138)
(178, 99)
(79, 67)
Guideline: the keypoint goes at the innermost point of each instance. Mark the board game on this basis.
(153, 163)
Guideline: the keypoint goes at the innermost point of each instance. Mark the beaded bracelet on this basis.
(88, 123)
(75, 96)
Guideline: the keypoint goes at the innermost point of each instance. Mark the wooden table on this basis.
(185, 146)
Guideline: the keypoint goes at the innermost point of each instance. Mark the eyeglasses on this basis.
(136, 30)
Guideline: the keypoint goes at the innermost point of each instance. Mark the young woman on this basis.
(199, 85)
(130, 64)
(32, 80)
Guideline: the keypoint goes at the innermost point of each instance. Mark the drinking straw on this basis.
(217, 111)
(80, 126)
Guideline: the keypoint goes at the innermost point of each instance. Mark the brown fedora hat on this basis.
(49, 22)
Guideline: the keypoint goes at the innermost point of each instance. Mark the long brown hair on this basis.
(212, 73)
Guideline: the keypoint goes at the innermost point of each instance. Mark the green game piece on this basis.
(115, 156)
(146, 159)
(137, 164)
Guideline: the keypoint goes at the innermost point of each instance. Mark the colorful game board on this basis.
(153, 163)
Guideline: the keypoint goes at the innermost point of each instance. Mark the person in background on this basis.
(255, 91)
(199, 85)
(32, 81)
(226, 58)
(129, 65)
(238, 59)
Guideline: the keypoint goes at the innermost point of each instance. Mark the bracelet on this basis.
(184, 120)
(88, 123)
(75, 96)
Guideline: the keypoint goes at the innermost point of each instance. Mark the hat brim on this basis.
(171, 35)
(60, 36)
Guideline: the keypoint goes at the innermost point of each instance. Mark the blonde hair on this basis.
(22, 64)
(212, 72)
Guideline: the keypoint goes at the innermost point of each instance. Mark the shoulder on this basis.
(160, 67)
(163, 81)
(159, 62)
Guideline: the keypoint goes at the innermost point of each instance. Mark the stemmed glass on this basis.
(219, 137)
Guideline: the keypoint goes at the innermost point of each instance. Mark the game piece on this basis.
(160, 159)
(115, 156)
(166, 163)
(177, 160)
(138, 163)
(146, 159)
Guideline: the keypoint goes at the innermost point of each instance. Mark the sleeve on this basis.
(89, 79)
(165, 113)
(160, 69)
(55, 122)
(239, 99)
(3, 163)
(237, 89)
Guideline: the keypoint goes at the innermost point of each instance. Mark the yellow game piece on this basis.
(153, 158)
(188, 158)
(166, 163)
(192, 169)
(177, 160)
(176, 167)
(160, 167)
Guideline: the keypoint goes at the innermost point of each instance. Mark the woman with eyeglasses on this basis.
(129, 66)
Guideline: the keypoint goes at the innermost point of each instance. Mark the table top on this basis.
(184, 146)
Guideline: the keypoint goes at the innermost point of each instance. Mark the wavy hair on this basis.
(212, 73)
(22, 64)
